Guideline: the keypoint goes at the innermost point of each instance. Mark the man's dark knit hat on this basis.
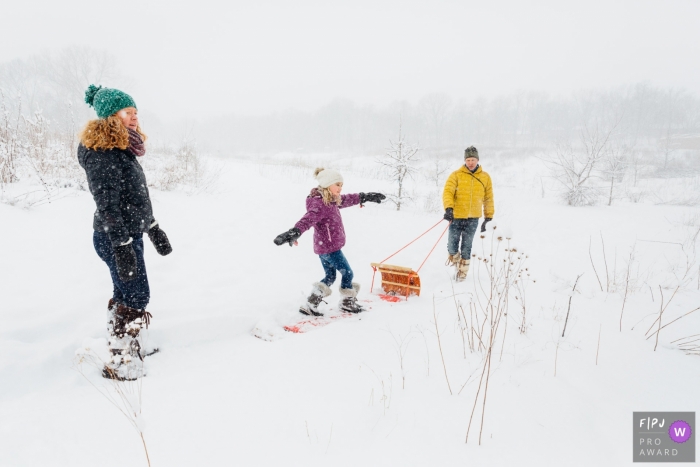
(107, 101)
(471, 152)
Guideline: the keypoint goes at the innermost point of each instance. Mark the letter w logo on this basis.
(679, 431)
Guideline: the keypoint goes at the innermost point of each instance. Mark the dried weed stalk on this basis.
(125, 396)
(499, 272)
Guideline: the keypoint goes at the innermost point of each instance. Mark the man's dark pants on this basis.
(462, 230)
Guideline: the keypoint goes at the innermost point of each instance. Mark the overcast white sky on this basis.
(253, 57)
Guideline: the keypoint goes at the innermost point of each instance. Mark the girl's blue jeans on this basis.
(135, 293)
(333, 262)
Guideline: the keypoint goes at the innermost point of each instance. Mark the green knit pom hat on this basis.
(471, 152)
(107, 101)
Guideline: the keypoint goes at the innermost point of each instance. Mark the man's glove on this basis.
(371, 197)
(160, 240)
(449, 215)
(483, 225)
(290, 236)
(126, 262)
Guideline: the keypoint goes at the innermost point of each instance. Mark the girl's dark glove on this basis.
(371, 197)
(160, 240)
(483, 225)
(449, 215)
(126, 262)
(290, 236)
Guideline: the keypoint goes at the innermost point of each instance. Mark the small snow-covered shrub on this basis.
(635, 194)
(36, 162)
(432, 203)
(178, 169)
(580, 195)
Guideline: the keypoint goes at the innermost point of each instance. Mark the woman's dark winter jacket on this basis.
(118, 185)
(329, 234)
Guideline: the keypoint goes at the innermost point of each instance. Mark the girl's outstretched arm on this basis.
(313, 214)
(348, 200)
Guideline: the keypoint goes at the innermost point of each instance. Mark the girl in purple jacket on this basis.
(323, 207)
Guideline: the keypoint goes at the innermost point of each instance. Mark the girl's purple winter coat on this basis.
(329, 234)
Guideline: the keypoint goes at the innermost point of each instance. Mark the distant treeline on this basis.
(642, 114)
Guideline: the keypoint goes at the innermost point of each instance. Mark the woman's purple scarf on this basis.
(136, 146)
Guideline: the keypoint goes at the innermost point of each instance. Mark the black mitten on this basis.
(160, 240)
(290, 236)
(449, 215)
(371, 197)
(126, 262)
(483, 225)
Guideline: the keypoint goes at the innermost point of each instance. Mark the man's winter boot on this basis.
(462, 269)
(348, 302)
(318, 293)
(452, 260)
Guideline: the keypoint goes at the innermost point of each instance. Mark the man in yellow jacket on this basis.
(468, 193)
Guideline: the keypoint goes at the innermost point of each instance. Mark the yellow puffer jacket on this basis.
(466, 193)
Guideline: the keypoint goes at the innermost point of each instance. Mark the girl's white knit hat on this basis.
(328, 177)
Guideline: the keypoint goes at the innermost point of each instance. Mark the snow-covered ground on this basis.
(370, 390)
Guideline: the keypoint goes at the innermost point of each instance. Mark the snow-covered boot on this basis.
(348, 302)
(462, 269)
(135, 328)
(126, 353)
(125, 320)
(319, 291)
(452, 260)
(126, 362)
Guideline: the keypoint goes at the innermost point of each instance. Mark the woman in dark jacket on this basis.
(108, 150)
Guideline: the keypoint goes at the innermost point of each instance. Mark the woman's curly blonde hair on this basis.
(107, 133)
(326, 194)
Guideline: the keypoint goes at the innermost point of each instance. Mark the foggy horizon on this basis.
(188, 61)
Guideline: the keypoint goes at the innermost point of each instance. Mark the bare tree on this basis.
(435, 109)
(665, 145)
(614, 165)
(635, 165)
(574, 167)
(400, 160)
(435, 175)
(672, 114)
(71, 70)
